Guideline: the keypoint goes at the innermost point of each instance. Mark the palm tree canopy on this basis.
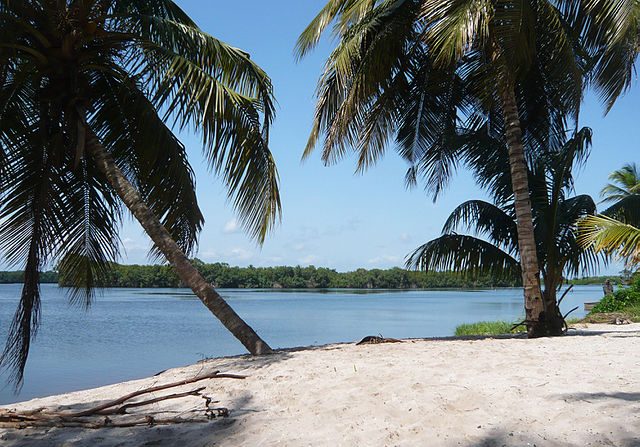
(420, 73)
(624, 182)
(493, 246)
(623, 194)
(130, 71)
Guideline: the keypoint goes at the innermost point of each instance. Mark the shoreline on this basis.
(571, 390)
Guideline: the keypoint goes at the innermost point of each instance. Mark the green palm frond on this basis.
(486, 219)
(364, 79)
(623, 193)
(610, 30)
(346, 12)
(216, 89)
(626, 209)
(464, 254)
(421, 74)
(576, 259)
(457, 27)
(624, 182)
(610, 236)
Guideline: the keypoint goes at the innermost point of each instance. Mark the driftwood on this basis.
(375, 339)
(98, 416)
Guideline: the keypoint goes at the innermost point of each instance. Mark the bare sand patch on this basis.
(578, 390)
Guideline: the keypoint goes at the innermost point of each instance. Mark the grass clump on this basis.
(487, 328)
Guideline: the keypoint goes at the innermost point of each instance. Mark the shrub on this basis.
(620, 300)
(635, 283)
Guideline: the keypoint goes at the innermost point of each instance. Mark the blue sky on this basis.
(332, 217)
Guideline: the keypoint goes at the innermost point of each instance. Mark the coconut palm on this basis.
(492, 249)
(604, 234)
(610, 31)
(89, 93)
(623, 193)
(419, 70)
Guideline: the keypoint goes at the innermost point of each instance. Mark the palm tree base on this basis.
(550, 324)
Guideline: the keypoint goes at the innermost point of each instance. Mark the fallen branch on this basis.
(153, 389)
(375, 339)
(123, 409)
(105, 423)
(98, 416)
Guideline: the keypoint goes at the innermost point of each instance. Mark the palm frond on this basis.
(151, 156)
(343, 12)
(609, 30)
(466, 255)
(626, 209)
(484, 219)
(610, 236)
(216, 89)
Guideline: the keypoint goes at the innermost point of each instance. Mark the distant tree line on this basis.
(17, 276)
(592, 280)
(225, 276)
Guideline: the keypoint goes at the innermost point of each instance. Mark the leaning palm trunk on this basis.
(540, 314)
(165, 243)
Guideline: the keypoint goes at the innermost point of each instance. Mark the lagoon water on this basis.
(134, 333)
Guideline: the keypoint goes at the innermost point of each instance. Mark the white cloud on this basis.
(232, 226)
(240, 254)
(135, 245)
(405, 237)
(308, 260)
(208, 255)
(386, 261)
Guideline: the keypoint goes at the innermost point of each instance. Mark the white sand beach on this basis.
(578, 390)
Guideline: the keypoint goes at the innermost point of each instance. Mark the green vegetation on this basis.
(225, 276)
(596, 280)
(17, 276)
(624, 303)
(619, 301)
(487, 328)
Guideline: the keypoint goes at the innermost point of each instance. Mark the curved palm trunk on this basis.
(539, 314)
(163, 240)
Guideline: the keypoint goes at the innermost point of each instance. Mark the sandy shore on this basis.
(578, 390)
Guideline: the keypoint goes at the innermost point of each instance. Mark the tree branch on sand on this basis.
(98, 416)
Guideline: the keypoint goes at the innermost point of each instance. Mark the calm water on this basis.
(132, 333)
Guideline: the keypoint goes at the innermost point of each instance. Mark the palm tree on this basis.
(421, 69)
(89, 90)
(493, 249)
(604, 234)
(624, 194)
